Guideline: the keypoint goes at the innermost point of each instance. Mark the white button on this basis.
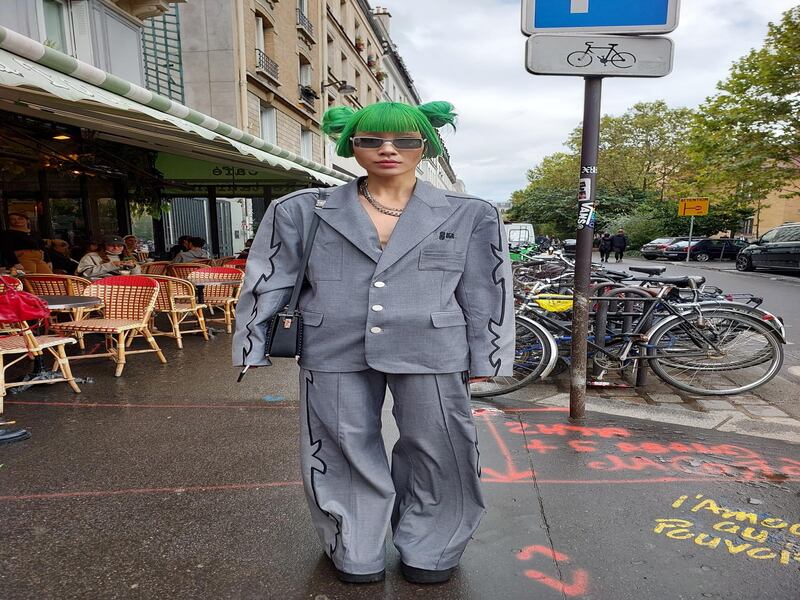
(377, 308)
(379, 284)
(376, 330)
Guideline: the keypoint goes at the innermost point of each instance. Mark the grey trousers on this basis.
(431, 495)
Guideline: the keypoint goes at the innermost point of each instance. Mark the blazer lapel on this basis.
(426, 210)
(344, 213)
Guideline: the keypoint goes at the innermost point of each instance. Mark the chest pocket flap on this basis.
(433, 258)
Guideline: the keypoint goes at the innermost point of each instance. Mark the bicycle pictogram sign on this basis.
(583, 58)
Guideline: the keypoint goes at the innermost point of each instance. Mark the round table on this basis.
(70, 302)
(199, 285)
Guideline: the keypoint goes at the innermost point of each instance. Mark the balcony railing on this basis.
(266, 64)
(304, 23)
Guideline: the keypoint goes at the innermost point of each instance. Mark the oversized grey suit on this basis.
(432, 308)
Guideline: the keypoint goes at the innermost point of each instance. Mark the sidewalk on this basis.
(175, 482)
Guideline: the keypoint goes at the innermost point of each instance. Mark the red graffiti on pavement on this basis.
(580, 577)
(511, 474)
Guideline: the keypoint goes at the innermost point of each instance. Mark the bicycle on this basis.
(704, 350)
(583, 58)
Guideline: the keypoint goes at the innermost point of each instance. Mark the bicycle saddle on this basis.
(681, 281)
(616, 274)
(648, 270)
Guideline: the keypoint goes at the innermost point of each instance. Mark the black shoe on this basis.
(358, 578)
(415, 575)
(8, 436)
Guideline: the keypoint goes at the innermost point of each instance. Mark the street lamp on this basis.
(341, 86)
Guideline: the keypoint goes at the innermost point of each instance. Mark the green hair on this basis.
(343, 122)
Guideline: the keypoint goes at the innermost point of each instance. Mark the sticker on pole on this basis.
(692, 207)
(605, 55)
(585, 204)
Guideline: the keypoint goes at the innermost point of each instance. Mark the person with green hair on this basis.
(408, 287)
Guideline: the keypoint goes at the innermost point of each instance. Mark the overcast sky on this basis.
(508, 119)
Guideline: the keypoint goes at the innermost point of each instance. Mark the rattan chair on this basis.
(235, 263)
(182, 270)
(220, 262)
(177, 299)
(158, 267)
(128, 303)
(61, 285)
(224, 296)
(9, 280)
(18, 342)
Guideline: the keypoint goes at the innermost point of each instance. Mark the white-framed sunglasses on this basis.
(402, 143)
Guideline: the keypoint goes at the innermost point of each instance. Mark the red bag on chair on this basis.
(16, 306)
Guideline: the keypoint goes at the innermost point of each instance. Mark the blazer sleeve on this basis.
(486, 296)
(270, 275)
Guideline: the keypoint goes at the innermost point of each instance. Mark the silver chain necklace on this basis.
(364, 191)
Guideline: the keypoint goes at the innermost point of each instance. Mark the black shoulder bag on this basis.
(285, 330)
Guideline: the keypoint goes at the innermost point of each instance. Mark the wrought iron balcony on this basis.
(266, 64)
(304, 23)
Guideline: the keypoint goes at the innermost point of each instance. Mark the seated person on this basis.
(60, 255)
(181, 246)
(23, 249)
(107, 261)
(244, 253)
(134, 249)
(195, 251)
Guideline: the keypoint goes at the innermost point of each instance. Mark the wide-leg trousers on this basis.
(430, 495)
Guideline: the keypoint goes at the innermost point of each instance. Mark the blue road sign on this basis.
(599, 16)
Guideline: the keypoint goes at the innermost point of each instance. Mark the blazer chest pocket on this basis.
(325, 262)
(441, 259)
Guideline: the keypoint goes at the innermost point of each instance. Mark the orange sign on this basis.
(693, 207)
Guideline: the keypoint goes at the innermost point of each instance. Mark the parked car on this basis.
(779, 248)
(705, 249)
(655, 248)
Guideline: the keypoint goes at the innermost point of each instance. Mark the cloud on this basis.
(472, 53)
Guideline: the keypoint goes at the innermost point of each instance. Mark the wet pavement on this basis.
(175, 482)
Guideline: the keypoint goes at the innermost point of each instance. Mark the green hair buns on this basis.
(343, 122)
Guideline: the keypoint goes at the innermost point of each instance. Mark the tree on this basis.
(746, 138)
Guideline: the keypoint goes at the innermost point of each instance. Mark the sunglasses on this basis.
(373, 143)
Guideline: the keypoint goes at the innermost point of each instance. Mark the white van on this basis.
(520, 233)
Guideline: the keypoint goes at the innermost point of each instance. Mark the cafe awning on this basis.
(40, 82)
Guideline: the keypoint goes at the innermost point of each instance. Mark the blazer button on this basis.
(375, 330)
(377, 307)
(379, 284)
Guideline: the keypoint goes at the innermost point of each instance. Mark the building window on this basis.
(55, 25)
(269, 124)
(302, 6)
(306, 143)
(305, 71)
(265, 43)
(747, 226)
(343, 67)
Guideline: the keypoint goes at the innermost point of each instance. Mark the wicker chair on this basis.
(176, 298)
(129, 301)
(17, 339)
(223, 296)
(60, 285)
(182, 270)
(220, 262)
(6, 280)
(235, 263)
(158, 267)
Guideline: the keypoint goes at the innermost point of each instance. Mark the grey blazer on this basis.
(437, 299)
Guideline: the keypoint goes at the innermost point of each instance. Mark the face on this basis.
(61, 247)
(17, 222)
(114, 248)
(387, 160)
(131, 243)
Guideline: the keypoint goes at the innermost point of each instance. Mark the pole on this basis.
(583, 251)
(689, 247)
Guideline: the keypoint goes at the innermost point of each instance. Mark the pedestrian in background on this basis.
(619, 243)
(605, 247)
(408, 287)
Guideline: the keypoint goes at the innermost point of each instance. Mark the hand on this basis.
(478, 379)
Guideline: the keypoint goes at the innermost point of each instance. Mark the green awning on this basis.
(124, 112)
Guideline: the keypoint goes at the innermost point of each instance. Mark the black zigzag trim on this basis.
(497, 251)
(318, 443)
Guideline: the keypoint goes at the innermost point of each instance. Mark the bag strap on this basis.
(301, 273)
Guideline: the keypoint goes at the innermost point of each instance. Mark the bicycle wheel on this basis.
(623, 60)
(533, 357)
(580, 58)
(715, 353)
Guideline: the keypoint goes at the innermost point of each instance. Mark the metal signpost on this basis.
(692, 207)
(585, 44)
